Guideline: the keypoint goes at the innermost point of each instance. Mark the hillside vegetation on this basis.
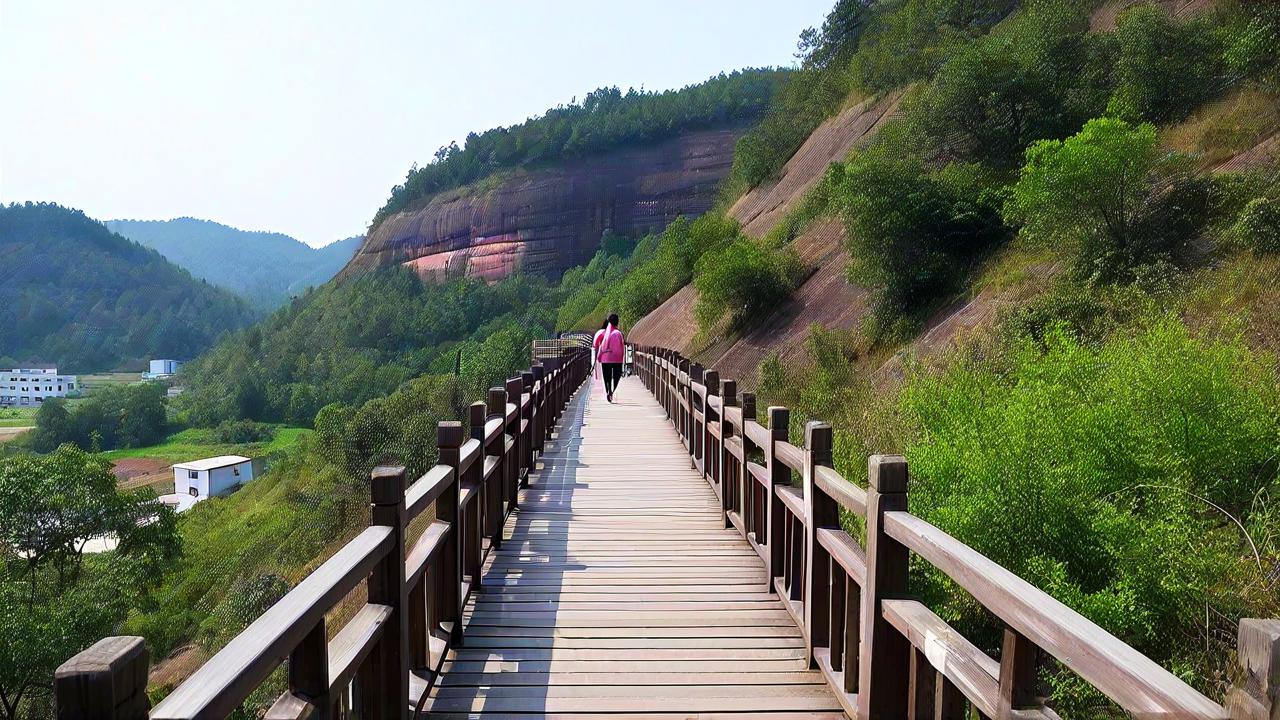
(264, 268)
(75, 294)
(606, 119)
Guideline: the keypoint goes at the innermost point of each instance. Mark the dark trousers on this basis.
(612, 374)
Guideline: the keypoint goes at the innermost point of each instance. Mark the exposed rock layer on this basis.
(545, 221)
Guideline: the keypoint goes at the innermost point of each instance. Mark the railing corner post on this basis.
(106, 681)
(1258, 650)
(388, 669)
(884, 653)
(820, 511)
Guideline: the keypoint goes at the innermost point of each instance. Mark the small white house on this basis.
(162, 369)
(210, 477)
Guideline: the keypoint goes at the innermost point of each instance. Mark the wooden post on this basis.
(385, 690)
(526, 413)
(540, 405)
(884, 654)
(1018, 661)
(309, 671)
(473, 515)
(746, 489)
(106, 681)
(496, 486)
(821, 512)
(448, 440)
(710, 416)
(779, 474)
(514, 388)
(1258, 650)
(728, 399)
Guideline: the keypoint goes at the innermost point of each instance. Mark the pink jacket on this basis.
(610, 346)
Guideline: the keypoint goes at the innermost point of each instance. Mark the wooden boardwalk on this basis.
(617, 589)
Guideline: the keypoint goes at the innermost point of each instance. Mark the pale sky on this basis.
(298, 117)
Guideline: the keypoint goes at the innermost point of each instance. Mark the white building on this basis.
(162, 369)
(29, 387)
(201, 479)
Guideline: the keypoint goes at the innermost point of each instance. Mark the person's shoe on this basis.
(610, 397)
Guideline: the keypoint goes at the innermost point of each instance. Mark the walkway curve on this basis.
(618, 591)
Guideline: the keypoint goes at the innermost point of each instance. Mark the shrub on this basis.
(1165, 68)
(1040, 76)
(744, 280)
(1258, 227)
(1091, 471)
(912, 234)
(1112, 193)
(239, 432)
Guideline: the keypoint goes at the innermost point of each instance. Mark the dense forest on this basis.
(265, 268)
(606, 118)
(76, 294)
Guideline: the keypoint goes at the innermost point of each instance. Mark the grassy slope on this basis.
(196, 443)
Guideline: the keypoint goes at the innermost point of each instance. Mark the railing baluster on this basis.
(1018, 660)
(309, 672)
(729, 476)
(920, 691)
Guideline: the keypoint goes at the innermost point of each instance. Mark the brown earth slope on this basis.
(826, 298)
(545, 221)
(761, 208)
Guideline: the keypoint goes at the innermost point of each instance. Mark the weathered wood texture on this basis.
(618, 588)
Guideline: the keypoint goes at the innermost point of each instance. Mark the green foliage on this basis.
(745, 280)
(606, 119)
(1165, 68)
(1111, 192)
(1258, 226)
(263, 267)
(912, 234)
(127, 416)
(78, 295)
(1114, 457)
(54, 599)
(1041, 75)
(911, 39)
(239, 432)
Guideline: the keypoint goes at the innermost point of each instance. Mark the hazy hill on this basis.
(76, 294)
(265, 268)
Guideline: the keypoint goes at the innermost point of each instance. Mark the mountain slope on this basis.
(76, 294)
(264, 267)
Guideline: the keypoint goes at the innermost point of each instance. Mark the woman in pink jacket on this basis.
(611, 352)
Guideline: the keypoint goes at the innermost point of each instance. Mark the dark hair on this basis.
(613, 319)
(604, 324)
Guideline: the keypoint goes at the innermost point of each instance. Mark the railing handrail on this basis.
(819, 569)
(387, 657)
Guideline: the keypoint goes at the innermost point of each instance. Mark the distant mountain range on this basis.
(75, 294)
(265, 268)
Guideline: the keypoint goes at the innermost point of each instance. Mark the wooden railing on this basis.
(385, 659)
(885, 654)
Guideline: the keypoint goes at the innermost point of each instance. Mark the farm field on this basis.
(17, 417)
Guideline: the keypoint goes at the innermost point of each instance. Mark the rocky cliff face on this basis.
(545, 221)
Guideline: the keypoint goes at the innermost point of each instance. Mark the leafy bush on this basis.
(1111, 192)
(744, 280)
(1165, 68)
(912, 234)
(1258, 226)
(1039, 76)
(240, 432)
(1115, 458)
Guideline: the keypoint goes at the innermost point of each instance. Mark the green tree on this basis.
(54, 599)
(53, 426)
(1095, 191)
(1166, 68)
(744, 280)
